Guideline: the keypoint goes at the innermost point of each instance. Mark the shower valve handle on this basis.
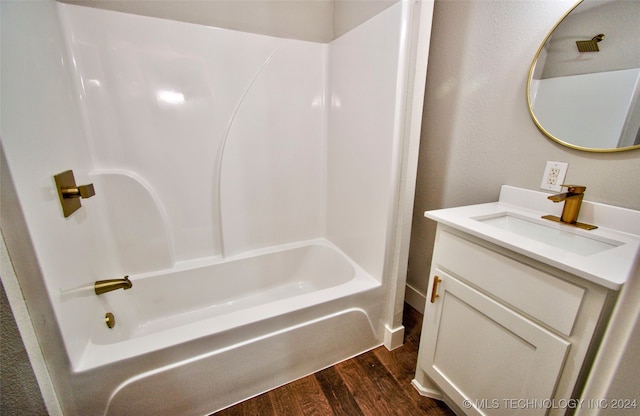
(70, 193)
(81, 191)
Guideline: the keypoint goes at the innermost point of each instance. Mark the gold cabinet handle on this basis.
(434, 289)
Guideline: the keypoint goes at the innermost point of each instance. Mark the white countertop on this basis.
(610, 268)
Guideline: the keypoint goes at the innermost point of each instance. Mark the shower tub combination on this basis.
(270, 317)
(248, 185)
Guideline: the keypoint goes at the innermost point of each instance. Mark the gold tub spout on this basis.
(104, 286)
(572, 203)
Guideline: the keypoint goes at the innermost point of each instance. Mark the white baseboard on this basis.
(425, 391)
(415, 298)
(393, 338)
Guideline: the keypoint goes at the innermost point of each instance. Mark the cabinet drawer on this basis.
(549, 299)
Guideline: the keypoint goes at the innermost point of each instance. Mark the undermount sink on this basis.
(550, 234)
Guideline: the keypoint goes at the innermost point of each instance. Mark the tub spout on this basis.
(104, 286)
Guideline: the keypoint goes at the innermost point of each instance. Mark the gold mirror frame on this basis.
(533, 116)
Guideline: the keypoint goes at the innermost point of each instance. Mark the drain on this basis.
(110, 320)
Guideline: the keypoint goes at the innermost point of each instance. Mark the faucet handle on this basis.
(86, 191)
(70, 194)
(575, 189)
(80, 191)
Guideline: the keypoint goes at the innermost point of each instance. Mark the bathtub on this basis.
(267, 317)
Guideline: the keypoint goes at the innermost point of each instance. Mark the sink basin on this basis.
(556, 235)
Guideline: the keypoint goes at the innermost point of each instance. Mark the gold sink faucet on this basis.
(572, 203)
(104, 286)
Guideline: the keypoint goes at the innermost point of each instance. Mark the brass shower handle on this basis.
(81, 191)
(69, 193)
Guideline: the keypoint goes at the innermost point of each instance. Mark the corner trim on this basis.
(393, 338)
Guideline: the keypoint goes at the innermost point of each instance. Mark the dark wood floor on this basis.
(376, 383)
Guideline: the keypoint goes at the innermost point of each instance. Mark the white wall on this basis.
(347, 14)
(477, 133)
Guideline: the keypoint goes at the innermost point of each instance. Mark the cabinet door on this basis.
(485, 357)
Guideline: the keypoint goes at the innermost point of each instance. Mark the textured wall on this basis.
(477, 133)
(19, 391)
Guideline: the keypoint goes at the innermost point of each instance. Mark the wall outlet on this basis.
(554, 174)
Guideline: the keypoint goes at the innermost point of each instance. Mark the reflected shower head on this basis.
(589, 45)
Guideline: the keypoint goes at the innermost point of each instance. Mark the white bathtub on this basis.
(269, 317)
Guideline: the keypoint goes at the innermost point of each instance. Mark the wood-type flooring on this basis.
(376, 383)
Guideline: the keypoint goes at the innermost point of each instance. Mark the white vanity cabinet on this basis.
(504, 334)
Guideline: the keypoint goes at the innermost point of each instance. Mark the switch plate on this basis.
(554, 174)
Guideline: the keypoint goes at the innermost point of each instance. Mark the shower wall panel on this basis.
(222, 129)
(273, 166)
(42, 136)
(363, 137)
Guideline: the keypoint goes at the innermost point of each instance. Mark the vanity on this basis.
(517, 305)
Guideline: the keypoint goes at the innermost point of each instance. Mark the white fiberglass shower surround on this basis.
(255, 189)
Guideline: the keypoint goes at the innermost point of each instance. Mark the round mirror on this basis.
(584, 83)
